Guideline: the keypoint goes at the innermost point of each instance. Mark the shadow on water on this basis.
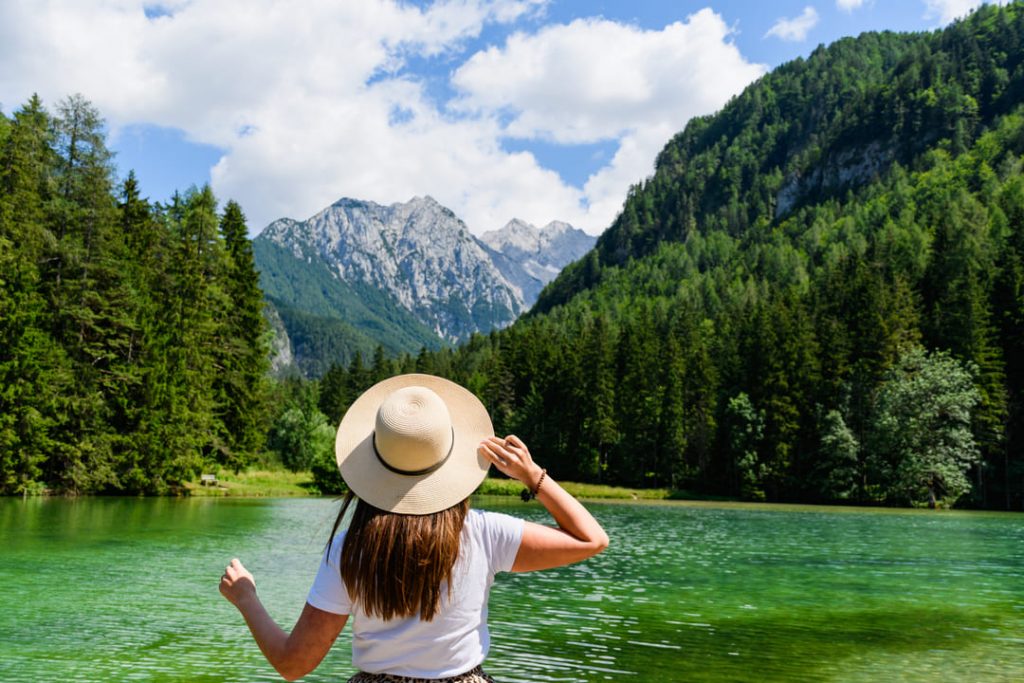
(811, 647)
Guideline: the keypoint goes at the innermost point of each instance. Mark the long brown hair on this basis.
(394, 564)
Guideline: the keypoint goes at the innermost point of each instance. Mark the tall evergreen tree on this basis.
(35, 374)
(91, 309)
(241, 381)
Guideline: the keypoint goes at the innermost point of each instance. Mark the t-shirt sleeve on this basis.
(328, 592)
(504, 534)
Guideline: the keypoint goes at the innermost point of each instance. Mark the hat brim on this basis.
(451, 483)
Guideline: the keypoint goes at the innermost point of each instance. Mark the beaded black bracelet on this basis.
(527, 495)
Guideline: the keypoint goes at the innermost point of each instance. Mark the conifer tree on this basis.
(35, 374)
(672, 442)
(194, 311)
(91, 312)
(334, 397)
(241, 381)
(700, 385)
(594, 396)
(382, 367)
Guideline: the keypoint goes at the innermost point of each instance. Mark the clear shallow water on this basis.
(126, 589)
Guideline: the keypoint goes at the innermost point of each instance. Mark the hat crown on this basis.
(413, 430)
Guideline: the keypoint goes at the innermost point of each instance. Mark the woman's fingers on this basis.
(494, 452)
(233, 572)
(494, 445)
(509, 454)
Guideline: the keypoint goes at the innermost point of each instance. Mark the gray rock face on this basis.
(423, 256)
(838, 170)
(281, 356)
(531, 258)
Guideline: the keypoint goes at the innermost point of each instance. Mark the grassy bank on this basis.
(255, 483)
(281, 483)
(509, 487)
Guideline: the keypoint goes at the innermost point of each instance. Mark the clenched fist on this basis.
(237, 584)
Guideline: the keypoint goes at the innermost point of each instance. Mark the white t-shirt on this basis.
(456, 640)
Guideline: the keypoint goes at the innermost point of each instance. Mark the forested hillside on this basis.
(328, 320)
(818, 296)
(132, 341)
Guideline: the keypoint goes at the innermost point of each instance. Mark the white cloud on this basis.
(794, 29)
(595, 80)
(304, 102)
(849, 5)
(946, 11)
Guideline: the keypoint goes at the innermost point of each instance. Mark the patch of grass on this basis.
(510, 487)
(254, 483)
(684, 494)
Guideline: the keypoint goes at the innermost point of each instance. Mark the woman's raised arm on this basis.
(578, 535)
(293, 654)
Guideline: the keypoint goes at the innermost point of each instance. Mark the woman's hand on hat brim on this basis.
(512, 458)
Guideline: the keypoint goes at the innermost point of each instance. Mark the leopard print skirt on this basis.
(476, 675)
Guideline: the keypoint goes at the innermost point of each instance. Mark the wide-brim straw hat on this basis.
(408, 444)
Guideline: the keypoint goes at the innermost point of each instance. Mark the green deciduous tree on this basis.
(302, 435)
(920, 440)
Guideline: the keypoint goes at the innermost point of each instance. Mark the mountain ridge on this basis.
(418, 263)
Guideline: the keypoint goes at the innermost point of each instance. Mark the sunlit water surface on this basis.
(126, 590)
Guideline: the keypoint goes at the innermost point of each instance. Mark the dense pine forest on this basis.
(818, 296)
(132, 339)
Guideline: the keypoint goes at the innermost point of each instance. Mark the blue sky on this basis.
(537, 109)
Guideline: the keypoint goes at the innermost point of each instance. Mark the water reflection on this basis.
(125, 589)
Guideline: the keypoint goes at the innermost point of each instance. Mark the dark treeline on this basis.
(819, 295)
(132, 341)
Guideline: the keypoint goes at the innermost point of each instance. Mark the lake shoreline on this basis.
(282, 483)
(264, 484)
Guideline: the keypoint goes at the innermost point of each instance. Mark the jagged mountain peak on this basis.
(557, 228)
(517, 225)
(556, 243)
(279, 228)
(516, 234)
(533, 257)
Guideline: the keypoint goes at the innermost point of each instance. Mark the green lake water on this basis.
(126, 590)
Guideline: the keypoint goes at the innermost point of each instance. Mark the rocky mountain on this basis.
(406, 276)
(530, 257)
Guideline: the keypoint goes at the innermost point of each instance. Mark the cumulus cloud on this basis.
(594, 80)
(849, 5)
(315, 104)
(945, 11)
(795, 29)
